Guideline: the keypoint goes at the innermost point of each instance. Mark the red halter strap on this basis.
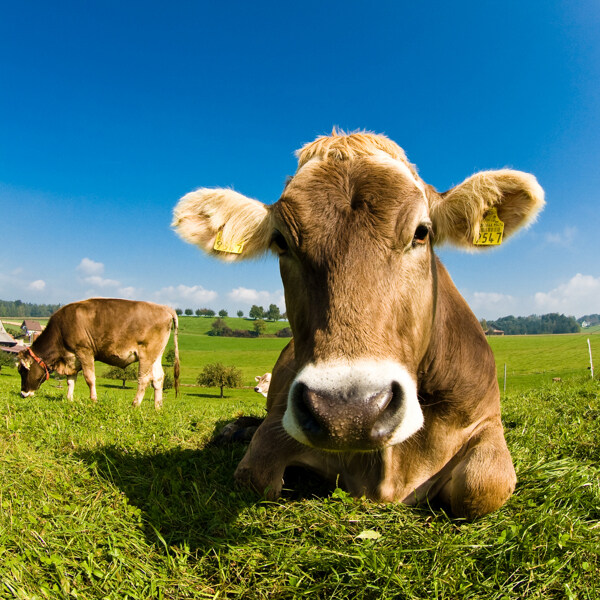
(40, 362)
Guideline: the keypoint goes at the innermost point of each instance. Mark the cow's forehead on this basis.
(382, 175)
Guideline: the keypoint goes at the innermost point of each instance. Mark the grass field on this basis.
(103, 501)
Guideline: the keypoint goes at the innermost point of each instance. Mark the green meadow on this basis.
(104, 501)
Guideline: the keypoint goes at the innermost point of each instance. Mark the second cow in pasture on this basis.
(262, 384)
(389, 385)
(114, 331)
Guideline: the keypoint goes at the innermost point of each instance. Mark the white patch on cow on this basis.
(27, 394)
(401, 166)
(361, 378)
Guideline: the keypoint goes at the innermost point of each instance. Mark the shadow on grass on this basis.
(185, 495)
(213, 396)
(189, 496)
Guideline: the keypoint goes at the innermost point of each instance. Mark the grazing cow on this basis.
(389, 385)
(113, 331)
(262, 385)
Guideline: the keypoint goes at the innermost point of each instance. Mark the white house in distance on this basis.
(31, 329)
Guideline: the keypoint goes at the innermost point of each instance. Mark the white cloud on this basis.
(88, 266)
(492, 304)
(244, 295)
(183, 294)
(579, 296)
(38, 285)
(101, 282)
(564, 238)
(130, 292)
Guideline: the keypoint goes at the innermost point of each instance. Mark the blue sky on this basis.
(111, 111)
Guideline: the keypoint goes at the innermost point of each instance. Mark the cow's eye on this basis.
(279, 243)
(421, 234)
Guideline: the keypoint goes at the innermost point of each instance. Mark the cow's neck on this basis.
(48, 346)
(458, 366)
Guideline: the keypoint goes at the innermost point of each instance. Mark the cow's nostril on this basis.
(391, 414)
(304, 411)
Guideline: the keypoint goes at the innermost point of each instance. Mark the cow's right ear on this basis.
(223, 223)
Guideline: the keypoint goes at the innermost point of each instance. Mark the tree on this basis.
(484, 324)
(273, 314)
(256, 312)
(198, 312)
(223, 313)
(178, 312)
(169, 357)
(206, 312)
(240, 313)
(129, 373)
(7, 360)
(259, 326)
(189, 312)
(218, 375)
(219, 327)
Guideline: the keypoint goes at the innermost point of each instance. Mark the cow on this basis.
(389, 385)
(114, 331)
(262, 384)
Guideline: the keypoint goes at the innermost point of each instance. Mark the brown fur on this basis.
(114, 331)
(360, 284)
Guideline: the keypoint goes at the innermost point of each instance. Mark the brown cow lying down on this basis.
(113, 331)
(389, 382)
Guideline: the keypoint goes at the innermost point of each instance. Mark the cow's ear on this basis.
(457, 214)
(24, 359)
(223, 223)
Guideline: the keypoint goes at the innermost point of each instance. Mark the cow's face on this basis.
(262, 384)
(32, 374)
(355, 255)
(354, 230)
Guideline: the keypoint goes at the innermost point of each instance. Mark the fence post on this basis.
(591, 362)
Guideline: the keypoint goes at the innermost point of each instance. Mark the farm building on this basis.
(31, 329)
(494, 332)
(6, 340)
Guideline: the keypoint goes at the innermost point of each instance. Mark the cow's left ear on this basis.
(24, 359)
(457, 214)
(223, 223)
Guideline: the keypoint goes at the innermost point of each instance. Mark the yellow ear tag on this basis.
(221, 246)
(490, 230)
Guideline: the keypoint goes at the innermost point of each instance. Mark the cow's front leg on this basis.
(269, 453)
(485, 477)
(71, 379)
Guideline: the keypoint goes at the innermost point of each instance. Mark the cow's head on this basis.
(262, 384)
(354, 231)
(33, 372)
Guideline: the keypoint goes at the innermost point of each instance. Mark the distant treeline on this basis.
(590, 319)
(16, 308)
(550, 323)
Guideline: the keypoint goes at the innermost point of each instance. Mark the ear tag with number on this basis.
(232, 248)
(490, 230)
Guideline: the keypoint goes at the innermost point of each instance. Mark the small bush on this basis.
(285, 332)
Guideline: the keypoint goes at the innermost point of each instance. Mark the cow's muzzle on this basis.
(353, 407)
(27, 394)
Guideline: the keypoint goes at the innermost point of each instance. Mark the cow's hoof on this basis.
(244, 478)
